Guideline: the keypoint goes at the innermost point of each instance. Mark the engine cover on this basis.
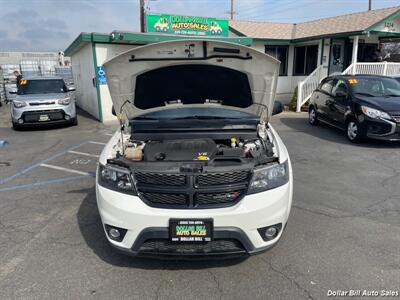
(180, 150)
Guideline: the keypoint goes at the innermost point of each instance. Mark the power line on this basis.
(261, 13)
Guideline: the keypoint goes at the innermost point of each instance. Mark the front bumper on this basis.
(30, 114)
(382, 129)
(235, 227)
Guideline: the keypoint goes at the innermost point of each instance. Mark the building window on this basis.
(305, 59)
(281, 54)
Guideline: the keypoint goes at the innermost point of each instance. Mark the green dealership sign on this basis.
(186, 25)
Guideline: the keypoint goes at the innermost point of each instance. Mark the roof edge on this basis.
(388, 18)
(123, 37)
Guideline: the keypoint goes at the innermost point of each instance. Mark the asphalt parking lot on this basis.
(343, 233)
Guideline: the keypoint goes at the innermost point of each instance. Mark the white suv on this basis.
(196, 169)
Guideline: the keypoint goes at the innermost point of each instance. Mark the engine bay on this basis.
(224, 150)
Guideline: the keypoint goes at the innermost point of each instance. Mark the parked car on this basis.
(198, 170)
(43, 101)
(366, 106)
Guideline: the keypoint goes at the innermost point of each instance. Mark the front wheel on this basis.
(354, 131)
(16, 126)
(312, 117)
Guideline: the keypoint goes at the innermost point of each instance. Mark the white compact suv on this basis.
(43, 101)
(196, 169)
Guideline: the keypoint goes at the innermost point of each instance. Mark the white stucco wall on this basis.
(83, 71)
(284, 87)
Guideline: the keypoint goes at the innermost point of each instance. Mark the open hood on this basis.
(192, 73)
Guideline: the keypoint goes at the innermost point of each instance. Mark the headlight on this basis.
(116, 178)
(19, 103)
(374, 113)
(270, 177)
(65, 101)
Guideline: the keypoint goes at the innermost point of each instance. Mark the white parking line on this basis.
(109, 134)
(83, 153)
(66, 169)
(97, 143)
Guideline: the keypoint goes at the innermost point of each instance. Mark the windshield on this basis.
(42, 86)
(375, 86)
(196, 113)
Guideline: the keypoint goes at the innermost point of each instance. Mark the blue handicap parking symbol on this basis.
(101, 75)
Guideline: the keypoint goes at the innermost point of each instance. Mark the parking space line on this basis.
(30, 185)
(22, 172)
(67, 170)
(97, 143)
(83, 153)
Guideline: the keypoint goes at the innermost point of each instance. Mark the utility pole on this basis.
(232, 12)
(142, 12)
(369, 4)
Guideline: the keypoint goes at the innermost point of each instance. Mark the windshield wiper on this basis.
(145, 118)
(391, 95)
(365, 94)
(203, 118)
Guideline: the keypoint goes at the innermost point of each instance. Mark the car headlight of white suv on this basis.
(116, 178)
(19, 103)
(65, 101)
(375, 113)
(266, 178)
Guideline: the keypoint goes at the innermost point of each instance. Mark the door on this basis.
(336, 59)
(323, 97)
(340, 103)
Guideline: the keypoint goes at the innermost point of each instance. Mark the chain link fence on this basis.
(28, 69)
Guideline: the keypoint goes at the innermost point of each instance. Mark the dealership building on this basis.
(308, 51)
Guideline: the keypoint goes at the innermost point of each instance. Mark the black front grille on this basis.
(396, 117)
(182, 190)
(160, 179)
(34, 116)
(166, 198)
(222, 178)
(166, 247)
(41, 103)
(218, 198)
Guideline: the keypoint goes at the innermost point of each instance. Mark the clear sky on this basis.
(51, 25)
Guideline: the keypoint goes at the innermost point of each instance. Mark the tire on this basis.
(355, 133)
(158, 28)
(312, 116)
(16, 127)
(75, 121)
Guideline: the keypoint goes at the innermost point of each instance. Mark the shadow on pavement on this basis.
(92, 231)
(331, 134)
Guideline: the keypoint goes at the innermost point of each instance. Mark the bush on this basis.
(293, 101)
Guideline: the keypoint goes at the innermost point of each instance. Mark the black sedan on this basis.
(362, 105)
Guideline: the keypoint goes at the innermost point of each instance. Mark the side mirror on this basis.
(341, 94)
(71, 89)
(278, 108)
(113, 111)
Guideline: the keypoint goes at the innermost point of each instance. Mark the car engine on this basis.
(205, 149)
